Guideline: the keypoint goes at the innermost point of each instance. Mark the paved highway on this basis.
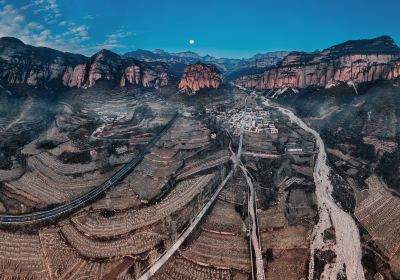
(261, 155)
(91, 195)
(171, 251)
(165, 257)
(239, 153)
(255, 243)
(254, 229)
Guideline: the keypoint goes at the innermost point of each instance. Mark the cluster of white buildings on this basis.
(257, 120)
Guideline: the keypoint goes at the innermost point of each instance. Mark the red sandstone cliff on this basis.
(22, 64)
(357, 61)
(198, 76)
(106, 65)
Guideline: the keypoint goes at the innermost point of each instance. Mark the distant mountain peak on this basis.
(226, 64)
(157, 51)
(106, 53)
(188, 54)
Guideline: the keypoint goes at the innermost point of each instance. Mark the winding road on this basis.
(347, 246)
(252, 209)
(92, 194)
(171, 251)
(255, 240)
(239, 152)
(254, 230)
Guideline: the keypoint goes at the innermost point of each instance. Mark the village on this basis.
(257, 119)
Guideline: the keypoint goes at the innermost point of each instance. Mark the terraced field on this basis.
(379, 213)
(95, 225)
(94, 241)
(220, 250)
(88, 140)
(21, 257)
(125, 231)
(223, 211)
(181, 268)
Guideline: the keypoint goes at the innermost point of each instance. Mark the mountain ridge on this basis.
(258, 60)
(355, 61)
(23, 64)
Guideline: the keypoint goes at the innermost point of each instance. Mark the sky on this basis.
(223, 28)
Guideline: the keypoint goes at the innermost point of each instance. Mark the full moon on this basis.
(191, 42)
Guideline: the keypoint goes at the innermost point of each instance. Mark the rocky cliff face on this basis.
(355, 61)
(144, 74)
(22, 64)
(198, 76)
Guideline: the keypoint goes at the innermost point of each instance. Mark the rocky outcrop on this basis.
(355, 61)
(22, 64)
(104, 65)
(74, 76)
(198, 76)
(141, 74)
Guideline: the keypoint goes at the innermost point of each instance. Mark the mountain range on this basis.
(352, 62)
(227, 65)
(22, 64)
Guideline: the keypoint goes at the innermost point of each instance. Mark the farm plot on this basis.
(180, 268)
(223, 251)
(224, 218)
(199, 165)
(130, 245)
(21, 257)
(186, 134)
(234, 192)
(379, 213)
(95, 225)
